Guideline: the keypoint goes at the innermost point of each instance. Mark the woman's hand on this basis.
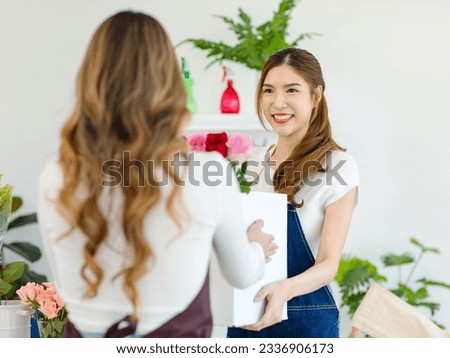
(275, 294)
(255, 234)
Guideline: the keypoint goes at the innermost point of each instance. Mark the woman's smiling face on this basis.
(287, 102)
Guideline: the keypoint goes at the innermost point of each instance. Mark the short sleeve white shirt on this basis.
(321, 190)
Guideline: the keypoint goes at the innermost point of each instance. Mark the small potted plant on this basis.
(254, 43)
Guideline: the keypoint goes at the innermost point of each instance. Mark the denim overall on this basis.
(314, 315)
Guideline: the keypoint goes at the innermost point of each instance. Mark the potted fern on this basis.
(355, 276)
(254, 43)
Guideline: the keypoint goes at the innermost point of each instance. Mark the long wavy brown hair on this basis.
(308, 156)
(130, 98)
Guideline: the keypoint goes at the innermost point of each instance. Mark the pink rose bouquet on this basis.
(49, 308)
(234, 147)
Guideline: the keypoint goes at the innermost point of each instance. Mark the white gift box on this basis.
(233, 306)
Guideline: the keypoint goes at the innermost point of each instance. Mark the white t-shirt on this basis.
(322, 189)
(179, 266)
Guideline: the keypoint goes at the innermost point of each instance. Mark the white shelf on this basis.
(225, 122)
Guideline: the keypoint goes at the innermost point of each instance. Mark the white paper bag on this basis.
(233, 306)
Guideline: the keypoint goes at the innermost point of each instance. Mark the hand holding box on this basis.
(235, 307)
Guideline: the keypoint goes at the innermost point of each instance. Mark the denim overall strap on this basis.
(314, 315)
(300, 259)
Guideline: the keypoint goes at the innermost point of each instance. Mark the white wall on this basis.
(387, 68)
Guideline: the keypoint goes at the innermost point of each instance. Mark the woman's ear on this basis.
(318, 95)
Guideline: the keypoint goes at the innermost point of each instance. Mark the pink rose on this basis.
(29, 292)
(49, 286)
(197, 141)
(239, 145)
(49, 309)
(59, 301)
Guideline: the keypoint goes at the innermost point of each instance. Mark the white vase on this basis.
(15, 319)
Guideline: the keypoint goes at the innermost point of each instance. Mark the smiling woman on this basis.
(288, 105)
(321, 182)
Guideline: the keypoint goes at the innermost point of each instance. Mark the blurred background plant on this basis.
(254, 43)
(9, 206)
(356, 274)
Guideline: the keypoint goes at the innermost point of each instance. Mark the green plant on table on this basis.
(254, 43)
(355, 276)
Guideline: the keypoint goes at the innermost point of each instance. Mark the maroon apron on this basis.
(194, 322)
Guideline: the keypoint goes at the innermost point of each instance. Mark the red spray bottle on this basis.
(229, 103)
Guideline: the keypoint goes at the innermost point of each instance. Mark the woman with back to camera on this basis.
(321, 182)
(127, 232)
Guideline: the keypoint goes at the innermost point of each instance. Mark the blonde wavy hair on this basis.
(307, 157)
(130, 97)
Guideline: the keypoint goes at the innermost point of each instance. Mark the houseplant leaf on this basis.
(417, 243)
(5, 288)
(23, 220)
(13, 271)
(32, 276)
(432, 306)
(27, 250)
(427, 282)
(17, 203)
(9, 276)
(354, 277)
(396, 260)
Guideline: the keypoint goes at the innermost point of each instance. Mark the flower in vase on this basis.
(49, 308)
(234, 147)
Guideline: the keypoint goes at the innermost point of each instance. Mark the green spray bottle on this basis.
(188, 84)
